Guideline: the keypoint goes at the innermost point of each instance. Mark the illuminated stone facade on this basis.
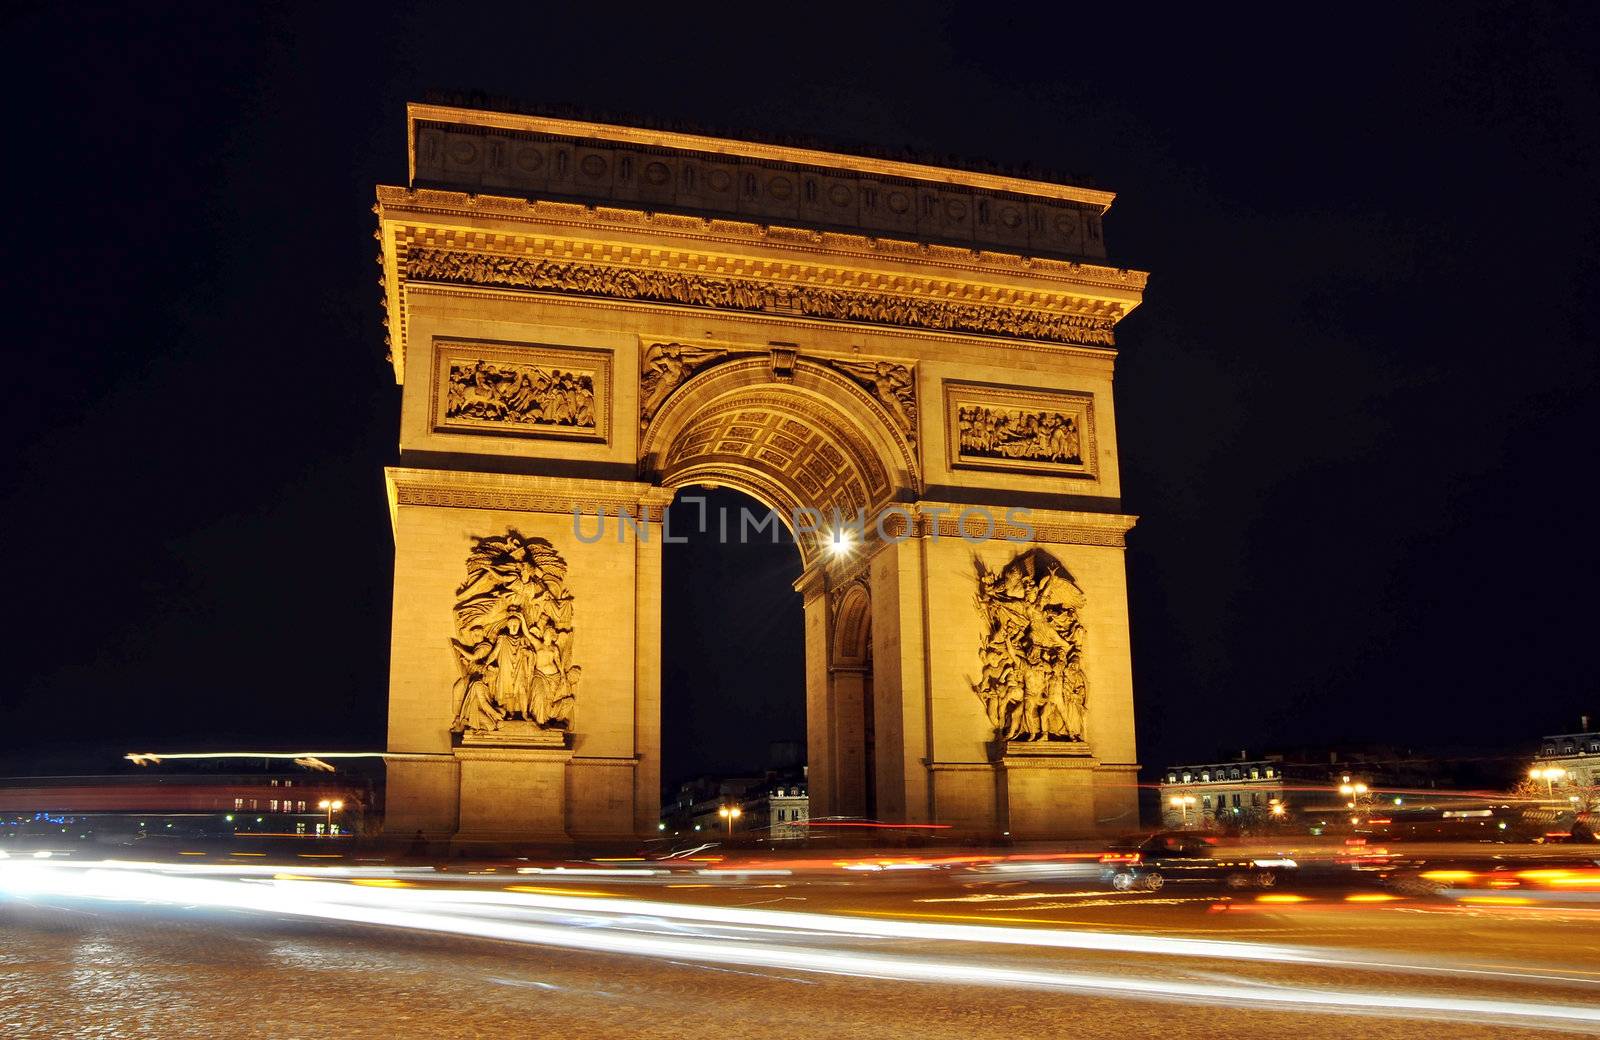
(1217, 794)
(589, 318)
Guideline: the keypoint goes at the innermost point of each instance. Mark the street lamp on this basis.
(1182, 802)
(330, 806)
(1354, 792)
(730, 813)
(1278, 808)
(1549, 775)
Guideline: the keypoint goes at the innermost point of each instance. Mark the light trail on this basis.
(140, 758)
(612, 925)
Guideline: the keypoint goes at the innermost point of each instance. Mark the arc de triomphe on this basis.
(912, 365)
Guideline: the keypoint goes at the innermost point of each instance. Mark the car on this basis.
(1149, 861)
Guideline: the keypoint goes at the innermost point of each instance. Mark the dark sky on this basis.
(1357, 411)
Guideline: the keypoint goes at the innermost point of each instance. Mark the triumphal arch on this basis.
(910, 364)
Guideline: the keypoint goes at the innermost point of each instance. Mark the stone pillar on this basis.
(820, 760)
(598, 779)
(846, 693)
(647, 672)
(899, 682)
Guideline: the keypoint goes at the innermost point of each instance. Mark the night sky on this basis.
(1357, 411)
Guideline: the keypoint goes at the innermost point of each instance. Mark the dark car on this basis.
(1149, 861)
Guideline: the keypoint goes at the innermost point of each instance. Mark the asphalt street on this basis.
(748, 946)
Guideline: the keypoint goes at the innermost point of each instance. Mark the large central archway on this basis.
(811, 445)
(821, 453)
(732, 645)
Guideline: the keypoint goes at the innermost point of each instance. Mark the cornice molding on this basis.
(534, 494)
(394, 203)
(522, 493)
(1048, 526)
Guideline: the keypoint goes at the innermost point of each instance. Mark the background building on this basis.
(1575, 755)
(1321, 784)
(1210, 793)
(159, 803)
(775, 805)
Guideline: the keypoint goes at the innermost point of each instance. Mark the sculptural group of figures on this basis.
(1033, 683)
(1017, 434)
(514, 637)
(520, 394)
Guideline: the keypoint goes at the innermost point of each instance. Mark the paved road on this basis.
(919, 950)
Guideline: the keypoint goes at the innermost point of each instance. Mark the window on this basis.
(273, 805)
(302, 806)
(1255, 774)
(1233, 774)
(1205, 801)
(1255, 798)
(255, 804)
(1205, 774)
(1269, 772)
(1172, 778)
(238, 803)
(1186, 776)
(1236, 801)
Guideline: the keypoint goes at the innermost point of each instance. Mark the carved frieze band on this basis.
(1048, 432)
(747, 294)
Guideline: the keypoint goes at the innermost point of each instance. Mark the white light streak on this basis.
(611, 926)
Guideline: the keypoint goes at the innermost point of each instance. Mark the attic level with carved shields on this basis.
(911, 365)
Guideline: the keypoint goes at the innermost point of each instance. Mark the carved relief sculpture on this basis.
(1010, 433)
(1033, 684)
(665, 367)
(892, 385)
(994, 427)
(519, 394)
(544, 391)
(513, 641)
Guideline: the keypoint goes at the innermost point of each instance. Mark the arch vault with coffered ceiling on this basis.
(587, 318)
